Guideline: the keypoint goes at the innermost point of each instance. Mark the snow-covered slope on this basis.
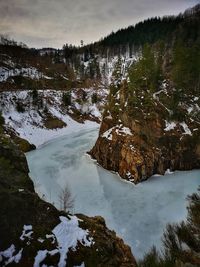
(43, 117)
(30, 72)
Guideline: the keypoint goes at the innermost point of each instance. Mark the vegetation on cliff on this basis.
(181, 241)
(35, 233)
(159, 102)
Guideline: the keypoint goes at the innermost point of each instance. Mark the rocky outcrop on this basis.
(138, 143)
(32, 230)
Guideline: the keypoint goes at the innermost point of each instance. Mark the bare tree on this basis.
(66, 199)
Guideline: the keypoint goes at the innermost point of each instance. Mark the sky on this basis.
(52, 23)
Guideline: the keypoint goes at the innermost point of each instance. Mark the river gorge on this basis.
(138, 213)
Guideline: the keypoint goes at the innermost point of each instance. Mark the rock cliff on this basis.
(142, 140)
(35, 233)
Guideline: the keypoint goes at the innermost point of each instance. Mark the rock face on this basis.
(28, 235)
(138, 143)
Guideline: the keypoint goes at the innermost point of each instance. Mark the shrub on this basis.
(66, 98)
(181, 241)
(94, 98)
(2, 120)
(20, 107)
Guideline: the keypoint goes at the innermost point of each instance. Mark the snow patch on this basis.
(108, 134)
(68, 234)
(27, 232)
(119, 129)
(186, 128)
(8, 254)
(30, 72)
(30, 124)
(168, 172)
(169, 126)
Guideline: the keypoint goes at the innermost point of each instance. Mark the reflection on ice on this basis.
(137, 213)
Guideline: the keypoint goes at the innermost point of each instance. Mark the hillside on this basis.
(35, 233)
(40, 115)
(151, 121)
(143, 85)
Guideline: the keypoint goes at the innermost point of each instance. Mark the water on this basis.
(137, 213)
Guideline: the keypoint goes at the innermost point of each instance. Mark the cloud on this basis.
(54, 22)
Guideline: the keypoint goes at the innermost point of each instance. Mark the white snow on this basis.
(30, 72)
(190, 109)
(168, 172)
(123, 131)
(186, 128)
(95, 111)
(27, 232)
(17, 257)
(68, 234)
(51, 237)
(20, 189)
(119, 129)
(8, 254)
(108, 134)
(40, 240)
(41, 255)
(29, 124)
(39, 136)
(169, 126)
(132, 147)
(156, 94)
(172, 125)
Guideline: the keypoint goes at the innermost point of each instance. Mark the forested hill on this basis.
(185, 26)
(154, 29)
(153, 112)
(166, 36)
(94, 64)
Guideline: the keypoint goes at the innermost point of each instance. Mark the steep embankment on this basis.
(39, 116)
(152, 121)
(33, 232)
(140, 144)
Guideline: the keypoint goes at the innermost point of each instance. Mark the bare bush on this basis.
(66, 199)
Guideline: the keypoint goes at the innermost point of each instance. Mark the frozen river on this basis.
(137, 213)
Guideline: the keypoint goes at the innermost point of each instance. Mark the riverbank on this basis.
(131, 210)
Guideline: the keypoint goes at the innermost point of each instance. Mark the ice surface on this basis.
(138, 213)
(29, 124)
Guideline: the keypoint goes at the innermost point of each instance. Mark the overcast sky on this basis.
(51, 23)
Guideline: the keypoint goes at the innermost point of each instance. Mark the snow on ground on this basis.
(68, 235)
(186, 128)
(108, 134)
(27, 232)
(169, 126)
(30, 72)
(39, 136)
(119, 130)
(168, 172)
(8, 254)
(30, 123)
